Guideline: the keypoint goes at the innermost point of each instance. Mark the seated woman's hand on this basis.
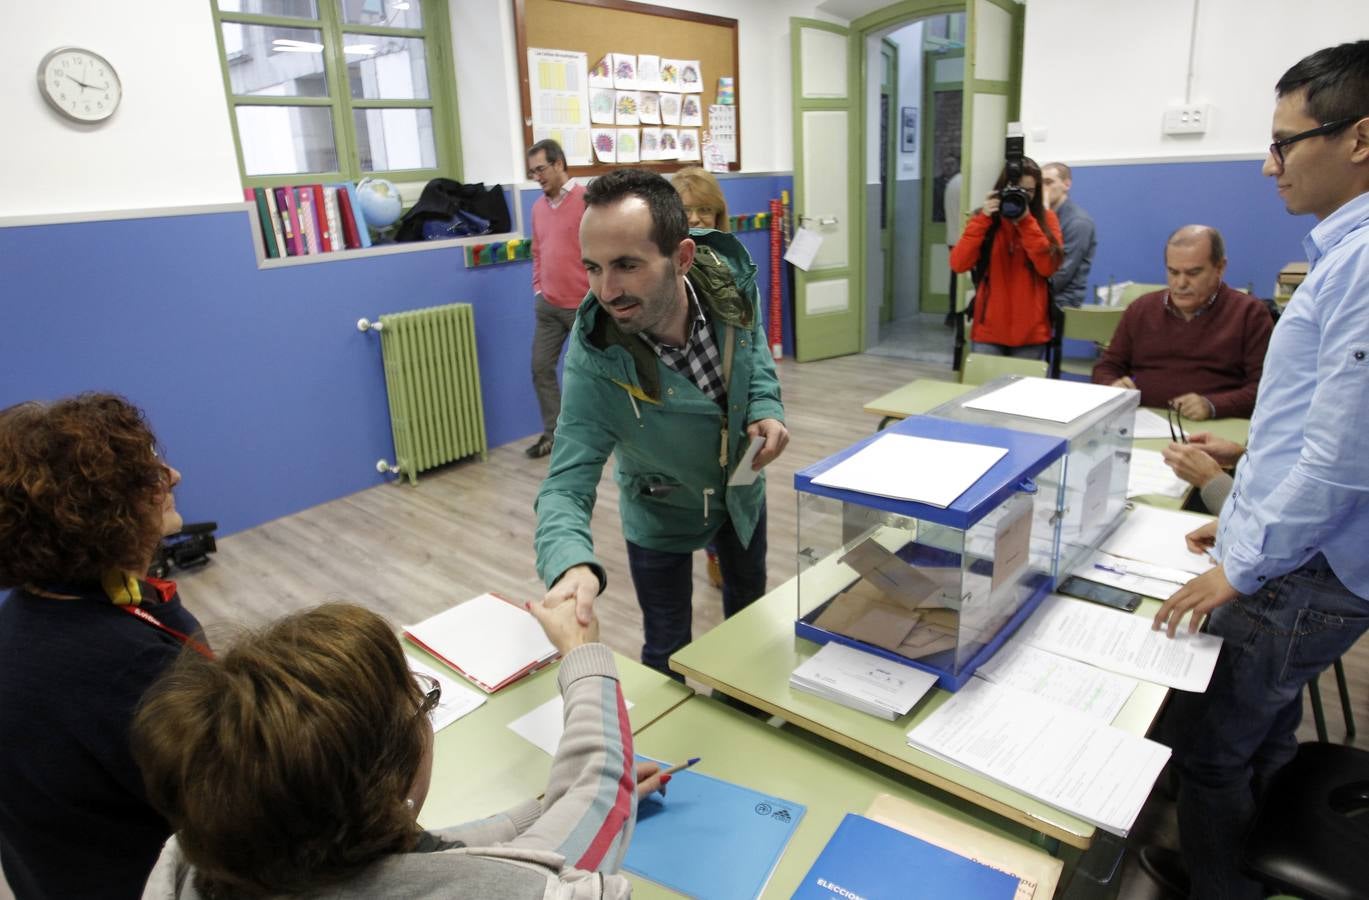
(649, 779)
(562, 627)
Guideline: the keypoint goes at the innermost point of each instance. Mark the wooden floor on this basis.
(411, 551)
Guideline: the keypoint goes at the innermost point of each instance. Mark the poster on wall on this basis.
(625, 71)
(722, 127)
(560, 102)
(603, 104)
(908, 144)
(689, 144)
(606, 145)
(648, 72)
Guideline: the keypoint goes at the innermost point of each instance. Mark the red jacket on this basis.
(1011, 308)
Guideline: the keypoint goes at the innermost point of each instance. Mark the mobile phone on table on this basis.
(1105, 594)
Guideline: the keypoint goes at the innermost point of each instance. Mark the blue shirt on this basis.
(1303, 487)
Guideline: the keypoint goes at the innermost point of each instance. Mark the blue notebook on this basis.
(710, 838)
(866, 859)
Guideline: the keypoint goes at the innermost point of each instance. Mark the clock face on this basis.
(79, 84)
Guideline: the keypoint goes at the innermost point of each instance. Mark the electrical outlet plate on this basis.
(1191, 118)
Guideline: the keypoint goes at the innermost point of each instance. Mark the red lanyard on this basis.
(183, 638)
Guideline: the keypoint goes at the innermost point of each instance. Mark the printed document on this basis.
(1149, 424)
(913, 468)
(1044, 398)
(457, 699)
(1094, 771)
(1121, 642)
(862, 680)
(1150, 475)
(1097, 693)
(1156, 536)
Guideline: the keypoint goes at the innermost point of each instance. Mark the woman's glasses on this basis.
(432, 692)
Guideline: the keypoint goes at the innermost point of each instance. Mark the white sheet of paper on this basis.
(1121, 642)
(488, 639)
(906, 467)
(1152, 535)
(1149, 424)
(803, 249)
(870, 680)
(542, 726)
(1044, 398)
(457, 699)
(1150, 475)
(1064, 758)
(1097, 693)
(1130, 575)
(744, 474)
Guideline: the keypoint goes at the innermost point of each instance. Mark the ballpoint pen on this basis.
(681, 766)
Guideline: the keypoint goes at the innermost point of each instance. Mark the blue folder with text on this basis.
(710, 838)
(866, 859)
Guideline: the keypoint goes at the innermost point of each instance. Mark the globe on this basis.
(380, 202)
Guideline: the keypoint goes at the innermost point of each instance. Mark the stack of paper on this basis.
(487, 639)
(862, 681)
(1149, 424)
(1097, 693)
(906, 467)
(1044, 398)
(1094, 771)
(1150, 475)
(1156, 536)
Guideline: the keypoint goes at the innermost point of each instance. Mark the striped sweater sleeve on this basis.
(591, 800)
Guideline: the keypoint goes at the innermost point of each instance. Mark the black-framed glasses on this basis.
(1276, 148)
(1176, 426)
(432, 692)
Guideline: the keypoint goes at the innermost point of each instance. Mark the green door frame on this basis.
(888, 239)
(933, 297)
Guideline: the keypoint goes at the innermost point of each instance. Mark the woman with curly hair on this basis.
(84, 502)
(298, 760)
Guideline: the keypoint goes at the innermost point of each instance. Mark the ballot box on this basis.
(1096, 423)
(923, 542)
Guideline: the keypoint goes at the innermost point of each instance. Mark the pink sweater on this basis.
(558, 273)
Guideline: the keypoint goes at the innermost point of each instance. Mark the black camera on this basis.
(188, 548)
(1013, 200)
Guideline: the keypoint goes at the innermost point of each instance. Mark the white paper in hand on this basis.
(744, 474)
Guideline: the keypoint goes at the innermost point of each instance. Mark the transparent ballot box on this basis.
(935, 586)
(1097, 428)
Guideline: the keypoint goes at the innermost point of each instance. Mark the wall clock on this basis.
(79, 84)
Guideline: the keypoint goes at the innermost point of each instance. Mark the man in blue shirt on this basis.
(1291, 540)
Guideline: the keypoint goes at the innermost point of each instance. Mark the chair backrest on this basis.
(1092, 323)
(982, 367)
(1132, 291)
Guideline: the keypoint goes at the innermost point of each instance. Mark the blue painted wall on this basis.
(257, 382)
(1137, 206)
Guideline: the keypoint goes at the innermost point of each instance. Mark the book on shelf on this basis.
(328, 215)
(489, 640)
(257, 197)
(306, 220)
(363, 231)
(277, 231)
(350, 238)
(289, 220)
(308, 224)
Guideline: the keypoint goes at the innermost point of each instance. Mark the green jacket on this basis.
(618, 398)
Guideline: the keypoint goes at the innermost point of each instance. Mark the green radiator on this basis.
(432, 377)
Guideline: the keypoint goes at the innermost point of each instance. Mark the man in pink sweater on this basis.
(1197, 347)
(558, 277)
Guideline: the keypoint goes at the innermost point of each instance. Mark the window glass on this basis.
(386, 68)
(395, 139)
(284, 140)
(389, 13)
(275, 62)
(302, 9)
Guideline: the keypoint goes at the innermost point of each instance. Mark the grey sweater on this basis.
(569, 845)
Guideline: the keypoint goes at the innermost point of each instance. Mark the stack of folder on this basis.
(488, 640)
(862, 681)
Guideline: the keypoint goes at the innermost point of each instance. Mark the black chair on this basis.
(1319, 717)
(1311, 835)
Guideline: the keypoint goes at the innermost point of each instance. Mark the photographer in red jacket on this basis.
(1012, 256)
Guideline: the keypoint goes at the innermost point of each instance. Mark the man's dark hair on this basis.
(552, 149)
(1336, 81)
(1186, 235)
(669, 225)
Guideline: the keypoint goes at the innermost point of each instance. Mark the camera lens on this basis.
(1012, 202)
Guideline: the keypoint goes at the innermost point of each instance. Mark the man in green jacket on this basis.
(669, 370)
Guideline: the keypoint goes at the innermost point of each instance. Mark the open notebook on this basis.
(488, 639)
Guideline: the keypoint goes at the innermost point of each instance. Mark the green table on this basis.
(751, 655)
(794, 765)
(480, 767)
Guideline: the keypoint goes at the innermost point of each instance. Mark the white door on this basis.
(828, 307)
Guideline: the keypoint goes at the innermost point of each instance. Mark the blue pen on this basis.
(1113, 569)
(681, 766)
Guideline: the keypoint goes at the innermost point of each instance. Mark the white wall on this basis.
(170, 143)
(1098, 76)
(909, 40)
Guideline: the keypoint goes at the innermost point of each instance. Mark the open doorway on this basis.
(914, 140)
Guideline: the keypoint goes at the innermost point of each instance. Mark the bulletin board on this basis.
(597, 27)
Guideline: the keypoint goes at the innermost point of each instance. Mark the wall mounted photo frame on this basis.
(908, 120)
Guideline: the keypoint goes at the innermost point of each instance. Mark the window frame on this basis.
(441, 100)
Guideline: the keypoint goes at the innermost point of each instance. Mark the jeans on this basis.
(1026, 351)
(548, 337)
(665, 589)
(1241, 731)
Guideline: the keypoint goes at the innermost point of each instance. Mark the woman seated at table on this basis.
(299, 760)
(84, 502)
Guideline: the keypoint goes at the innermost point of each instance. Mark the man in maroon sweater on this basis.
(1197, 347)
